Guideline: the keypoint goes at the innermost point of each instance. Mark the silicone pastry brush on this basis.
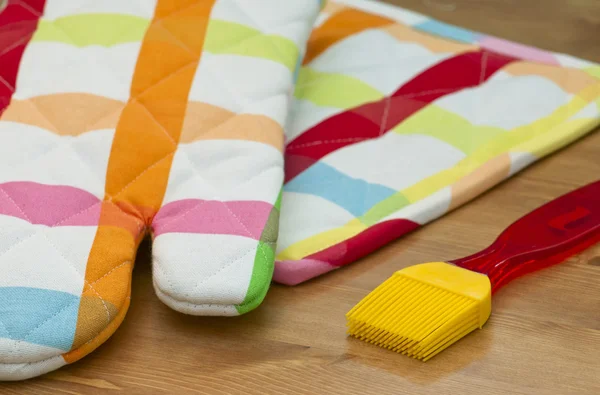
(423, 309)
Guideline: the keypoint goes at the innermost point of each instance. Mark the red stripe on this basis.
(365, 242)
(371, 120)
(18, 22)
(297, 271)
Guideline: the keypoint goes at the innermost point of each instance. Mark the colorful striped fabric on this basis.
(123, 119)
(399, 119)
(127, 118)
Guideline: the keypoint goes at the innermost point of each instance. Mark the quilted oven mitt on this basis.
(134, 117)
(399, 119)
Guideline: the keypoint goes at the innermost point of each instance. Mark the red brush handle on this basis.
(544, 237)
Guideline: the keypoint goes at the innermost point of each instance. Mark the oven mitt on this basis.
(127, 118)
(399, 118)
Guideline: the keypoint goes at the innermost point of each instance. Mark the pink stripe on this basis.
(51, 205)
(517, 50)
(296, 272)
(343, 253)
(240, 218)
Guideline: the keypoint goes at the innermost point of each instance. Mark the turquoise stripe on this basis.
(297, 69)
(354, 195)
(448, 31)
(38, 316)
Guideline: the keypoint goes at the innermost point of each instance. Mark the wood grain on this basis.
(543, 336)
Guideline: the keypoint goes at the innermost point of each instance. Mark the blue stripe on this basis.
(297, 69)
(38, 316)
(354, 195)
(447, 31)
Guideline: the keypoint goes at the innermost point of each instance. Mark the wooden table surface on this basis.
(543, 336)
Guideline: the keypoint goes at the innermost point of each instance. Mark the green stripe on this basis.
(112, 29)
(334, 90)
(384, 208)
(448, 127)
(262, 273)
(594, 71)
(261, 278)
(233, 38)
(454, 130)
(92, 29)
(278, 201)
(485, 151)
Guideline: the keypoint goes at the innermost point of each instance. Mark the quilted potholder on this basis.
(399, 118)
(135, 117)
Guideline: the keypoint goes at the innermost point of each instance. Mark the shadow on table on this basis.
(457, 357)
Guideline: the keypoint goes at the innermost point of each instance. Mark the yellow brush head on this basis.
(423, 309)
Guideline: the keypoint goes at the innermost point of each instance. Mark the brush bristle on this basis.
(415, 317)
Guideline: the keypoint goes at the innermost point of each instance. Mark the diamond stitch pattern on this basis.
(175, 128)
(457, 111)
(115, 149)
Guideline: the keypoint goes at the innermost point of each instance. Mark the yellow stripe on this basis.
(321, 241)
(540, 138)
(509, 141)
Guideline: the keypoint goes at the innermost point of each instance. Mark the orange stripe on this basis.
(569, 79)
(73, 114)
(66, 114)
(142, 151)
(208, 122)
(339, 26)
(332, 7)
(483, 178)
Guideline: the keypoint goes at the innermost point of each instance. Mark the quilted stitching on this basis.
(303, 255)
(131, 212)
(193, 174)
(384, 127)
(242, 103)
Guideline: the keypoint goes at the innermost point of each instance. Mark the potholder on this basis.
(135, 117)
(399, 118)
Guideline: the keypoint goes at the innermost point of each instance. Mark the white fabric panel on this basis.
(281, 18)
(507, 103)
(520, 160)
(571, 61)
(93, 150)
(303, 216)
(98, 70)
(591, 111)
(304, 115)
(29, 153)
(407, 158)
(22, 143)
(59, 8)
(378, 59)
(196, 309)
(242, 84)
(27, 351)
(22, 371)
(203, 268)
(425, 210)
(225, 170)
(37, 256)
(321, 18)
(499, 76)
